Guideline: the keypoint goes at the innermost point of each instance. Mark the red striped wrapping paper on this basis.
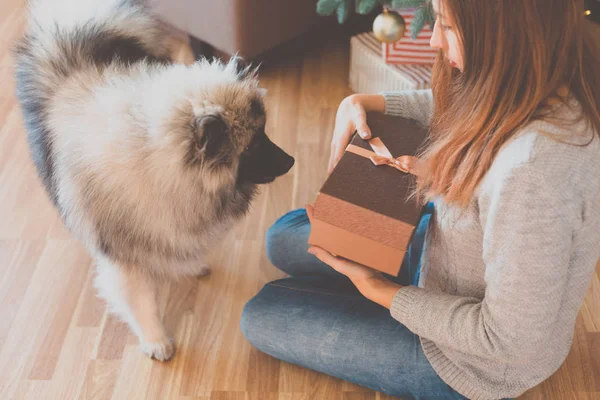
(408, 51)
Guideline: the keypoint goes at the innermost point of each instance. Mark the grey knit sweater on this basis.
(503, 280)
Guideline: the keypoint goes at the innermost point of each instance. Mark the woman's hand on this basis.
(372, 284)
(351, 117)
(414, 165)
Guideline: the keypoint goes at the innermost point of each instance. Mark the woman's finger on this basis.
(361, 127)
(328, 258)
(340, 146)
(413, 165)
(331, 159)
(336, 159)
(310, 212)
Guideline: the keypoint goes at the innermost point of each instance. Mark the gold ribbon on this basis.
(379, 156)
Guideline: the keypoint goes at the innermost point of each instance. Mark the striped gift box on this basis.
(407, 50)
(369, 73)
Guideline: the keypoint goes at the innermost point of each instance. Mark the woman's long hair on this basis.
(517, 55)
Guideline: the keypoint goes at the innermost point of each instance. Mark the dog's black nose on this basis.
(289, 163)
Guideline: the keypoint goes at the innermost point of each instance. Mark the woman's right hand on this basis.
(351, 117)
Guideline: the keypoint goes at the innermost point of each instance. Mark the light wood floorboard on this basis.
(56, 340)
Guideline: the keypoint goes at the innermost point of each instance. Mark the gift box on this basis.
(409, 51)
(369, 73)
(364, 212)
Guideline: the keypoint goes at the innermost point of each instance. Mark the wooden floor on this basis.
(56, 340)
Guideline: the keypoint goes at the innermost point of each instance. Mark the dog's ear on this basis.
(211, 134)
(242, 69)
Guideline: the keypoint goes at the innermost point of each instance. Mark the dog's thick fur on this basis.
(148, 162)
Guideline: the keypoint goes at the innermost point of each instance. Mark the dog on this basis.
(149, 162)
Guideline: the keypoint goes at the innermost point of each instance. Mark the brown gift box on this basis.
(363, 212)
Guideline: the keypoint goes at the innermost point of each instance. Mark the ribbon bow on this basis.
(391, 162)
(382, 156)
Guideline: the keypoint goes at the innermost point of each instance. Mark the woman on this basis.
(512, 172)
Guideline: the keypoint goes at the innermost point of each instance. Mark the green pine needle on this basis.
(365, 6)
(399, 4)
(429, 17)
(327, 7)
(343, 11)
(418, 22)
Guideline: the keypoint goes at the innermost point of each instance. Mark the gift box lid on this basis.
(364, 212)
(380, 189)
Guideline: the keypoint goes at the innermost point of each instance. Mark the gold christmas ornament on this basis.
(389, 26)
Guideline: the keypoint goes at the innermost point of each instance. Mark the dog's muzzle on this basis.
(264, 162)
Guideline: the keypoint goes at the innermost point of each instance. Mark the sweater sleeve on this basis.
(414, 104)
(528, 218)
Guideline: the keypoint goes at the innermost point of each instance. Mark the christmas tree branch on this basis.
(366, 6)
(418, 23)
(342, 8)
(343, 11)
(399, 4)
(327, 7)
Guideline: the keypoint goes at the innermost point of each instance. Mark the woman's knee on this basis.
(333, 330)
(286, 237)
(249, 322)
(260, 318)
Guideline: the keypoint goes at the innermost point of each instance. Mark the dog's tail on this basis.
(64, 37)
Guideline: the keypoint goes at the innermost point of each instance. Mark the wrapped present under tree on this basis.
(369, 73)
(409, 50)
(404, 30)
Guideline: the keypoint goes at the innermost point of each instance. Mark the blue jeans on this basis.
(317, 319)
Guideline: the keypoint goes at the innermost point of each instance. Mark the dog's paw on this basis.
(161, 350)
(203, 271)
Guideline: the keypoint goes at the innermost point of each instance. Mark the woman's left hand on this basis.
(371, 283)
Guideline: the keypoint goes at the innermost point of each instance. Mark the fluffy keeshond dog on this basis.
(149, 162)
